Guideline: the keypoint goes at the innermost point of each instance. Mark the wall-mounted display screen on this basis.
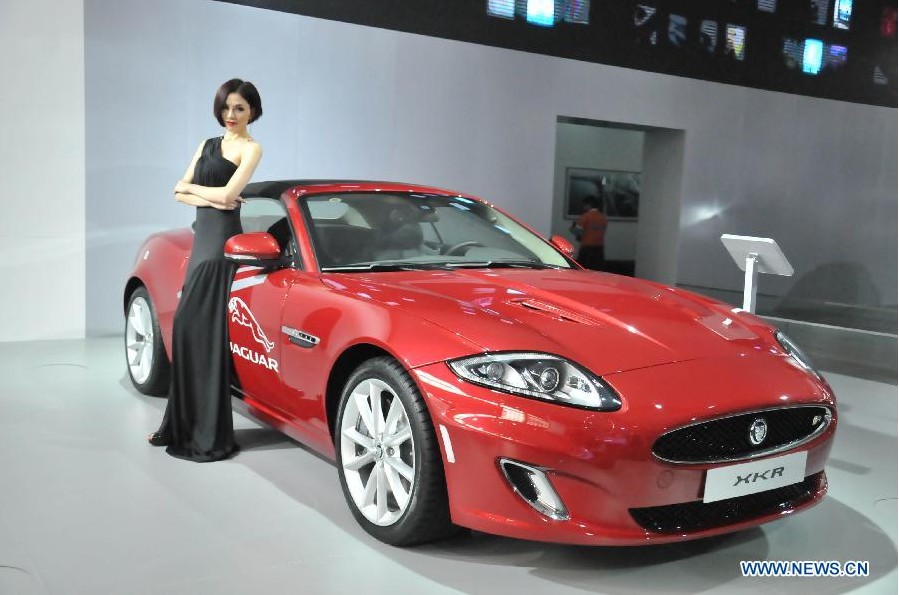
(753, 43)
(677, 30)
(501, 8)
(818, 9)
(842, 12)
(645, 22)
(577, 11)
(541, 12)
(708, 36)
(617, 191)
(812, 56)
(736, 41)
(792, 53)
(835, 56)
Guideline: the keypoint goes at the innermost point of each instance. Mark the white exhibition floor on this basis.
(87, 507)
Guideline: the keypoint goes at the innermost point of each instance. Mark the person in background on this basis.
(590, 231)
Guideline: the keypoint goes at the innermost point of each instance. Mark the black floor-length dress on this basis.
(198, 425)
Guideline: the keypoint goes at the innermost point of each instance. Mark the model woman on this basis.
(197, 424)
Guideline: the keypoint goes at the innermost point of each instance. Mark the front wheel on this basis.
(388, 458)
(148, 365)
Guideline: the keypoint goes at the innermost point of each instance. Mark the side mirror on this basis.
(256, 248)
(562, 245)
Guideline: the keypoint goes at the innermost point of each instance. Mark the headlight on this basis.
(797, 354)
(538, 375)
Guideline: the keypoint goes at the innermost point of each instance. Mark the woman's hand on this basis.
(182, 187)
(230, 204)
(226, 206)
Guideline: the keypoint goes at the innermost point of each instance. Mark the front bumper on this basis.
(601, 464)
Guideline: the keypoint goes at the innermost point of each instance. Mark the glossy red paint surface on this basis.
(252, 246)
(564, 246)
(601, 462)
(674, 358)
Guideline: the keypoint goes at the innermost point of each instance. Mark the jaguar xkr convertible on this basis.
(463, 371)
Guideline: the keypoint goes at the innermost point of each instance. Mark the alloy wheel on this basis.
(377, 452)
(139, 340)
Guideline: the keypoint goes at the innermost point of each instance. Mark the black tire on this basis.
(426, 517)
(157, 381)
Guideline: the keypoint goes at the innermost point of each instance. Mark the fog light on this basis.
(535, 488)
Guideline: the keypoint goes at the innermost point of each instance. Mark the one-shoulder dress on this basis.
(198, 425)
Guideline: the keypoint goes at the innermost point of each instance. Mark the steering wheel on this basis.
(451, 251)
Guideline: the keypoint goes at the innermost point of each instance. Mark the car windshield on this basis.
(400, 231)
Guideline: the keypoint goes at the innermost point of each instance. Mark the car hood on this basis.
(609, 323)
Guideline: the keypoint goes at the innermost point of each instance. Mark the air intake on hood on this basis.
(556, 311)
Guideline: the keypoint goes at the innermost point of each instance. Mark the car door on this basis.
(254, 308)
(314, 322)
(309, 317)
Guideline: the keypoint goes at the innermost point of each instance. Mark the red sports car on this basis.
(463, 371)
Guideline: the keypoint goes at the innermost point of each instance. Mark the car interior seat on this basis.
(280, 230)
(405, 241)
(340, 244)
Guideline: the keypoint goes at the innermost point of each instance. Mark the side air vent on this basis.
(535, 488)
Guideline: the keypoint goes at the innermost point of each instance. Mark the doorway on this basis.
(636, 174)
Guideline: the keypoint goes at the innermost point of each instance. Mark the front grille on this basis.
(698, 516)
(728, 439)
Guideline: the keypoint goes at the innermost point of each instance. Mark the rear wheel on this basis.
(388, 458)
(148, 365)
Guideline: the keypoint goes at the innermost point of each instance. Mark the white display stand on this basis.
(754, 256)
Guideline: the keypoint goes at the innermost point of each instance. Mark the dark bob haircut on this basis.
(245, 89)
